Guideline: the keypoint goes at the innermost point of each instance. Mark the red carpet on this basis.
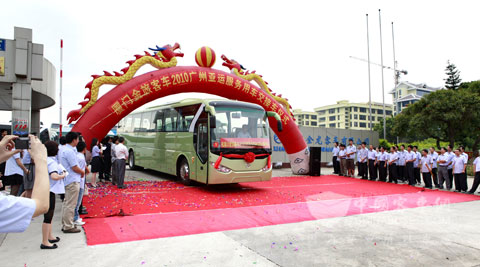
(170, 209)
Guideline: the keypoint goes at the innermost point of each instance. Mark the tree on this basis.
(471, 133)
(452, 82)
(445, 115)
(391, 137)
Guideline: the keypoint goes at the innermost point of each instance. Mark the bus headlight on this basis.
(221, 168)
(266, 168)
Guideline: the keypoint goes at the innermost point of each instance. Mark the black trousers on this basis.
(382, 171)
(401, 173)
(336, 165)
(372, 169)
(450, 174)
(435, 176)
(460, 181)
(476, 183)
(410, 174)
(416, 173)
(393, 173)
(427, 179)
(363, 167)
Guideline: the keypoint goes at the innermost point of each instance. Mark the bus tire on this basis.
(183, 172)
(131, 161)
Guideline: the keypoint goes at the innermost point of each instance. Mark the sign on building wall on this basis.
(2, 66)
(2, 44)
(324, 138)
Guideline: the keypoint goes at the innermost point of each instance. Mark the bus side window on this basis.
(159, 121)
(171, 120)
(146, 116)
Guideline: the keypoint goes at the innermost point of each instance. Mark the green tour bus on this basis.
(204, 140)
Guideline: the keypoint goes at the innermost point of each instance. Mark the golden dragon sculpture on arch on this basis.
(163, 57)
(238, 70)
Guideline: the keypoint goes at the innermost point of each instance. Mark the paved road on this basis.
(447, 235)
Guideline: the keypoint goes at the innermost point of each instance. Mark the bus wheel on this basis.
(131, 161)
(183, 172)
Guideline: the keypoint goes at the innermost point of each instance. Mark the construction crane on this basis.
(397, 72)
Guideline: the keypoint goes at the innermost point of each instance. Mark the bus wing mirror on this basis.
(277, 117)
(279, 126)
(213, 122)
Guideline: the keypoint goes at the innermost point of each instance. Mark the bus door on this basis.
(201, 164)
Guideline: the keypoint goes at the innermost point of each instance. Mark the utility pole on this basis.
(383, 83)
(369, 83)
(397, 76)
(61, 79)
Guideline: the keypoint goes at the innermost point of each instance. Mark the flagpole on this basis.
(61, 79)
(369, 82)
(383, 83)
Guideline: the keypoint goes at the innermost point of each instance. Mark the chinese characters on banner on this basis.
(186, 77)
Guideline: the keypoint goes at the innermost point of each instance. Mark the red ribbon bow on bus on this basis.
(248, 157)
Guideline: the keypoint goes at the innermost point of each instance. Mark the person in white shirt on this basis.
(56, 187)
(401, 164)
(476, 180)
(451, 155)
(336, 165)
(342, 156)
(382, 165)
(244, 132)
(459, 166)
(434, 155)
(426, 169)
(410, 158)
(16, 213)
(443, 162)
(372, 162)
(121, 153)
(82, 164)
(392, 163)
(363, 160)
(351, 151)
(416, 165)
(14, 172)
(114, 158)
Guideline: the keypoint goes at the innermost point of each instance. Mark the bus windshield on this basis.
(240, 129)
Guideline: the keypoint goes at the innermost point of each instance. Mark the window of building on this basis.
(373, 111)
(331, 125)
(331, 111)
(338, 117)
(363, 117)
(322, 125)
(379, 111)
(321, 119)
(321, 112)
(380, 118)
(338, 125)
(307, 116)
(363, 125)
(355, 116)
(347, 110)
(314, 117)
(313, 123)
(364, 110)
(388, 112)
(307, 123)
(355, 124)
(338, 110)
(331, 118)
(355, 109)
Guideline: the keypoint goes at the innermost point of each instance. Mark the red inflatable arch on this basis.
(123, 99)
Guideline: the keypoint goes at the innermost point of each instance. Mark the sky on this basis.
(302, 48)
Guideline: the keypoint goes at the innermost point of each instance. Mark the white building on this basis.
(407, 93)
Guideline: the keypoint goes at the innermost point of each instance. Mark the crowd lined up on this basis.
(67, 166)
(406, 164)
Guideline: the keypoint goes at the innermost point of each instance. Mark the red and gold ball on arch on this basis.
(205, 57)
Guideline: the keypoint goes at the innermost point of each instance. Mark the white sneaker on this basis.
(79, 222)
